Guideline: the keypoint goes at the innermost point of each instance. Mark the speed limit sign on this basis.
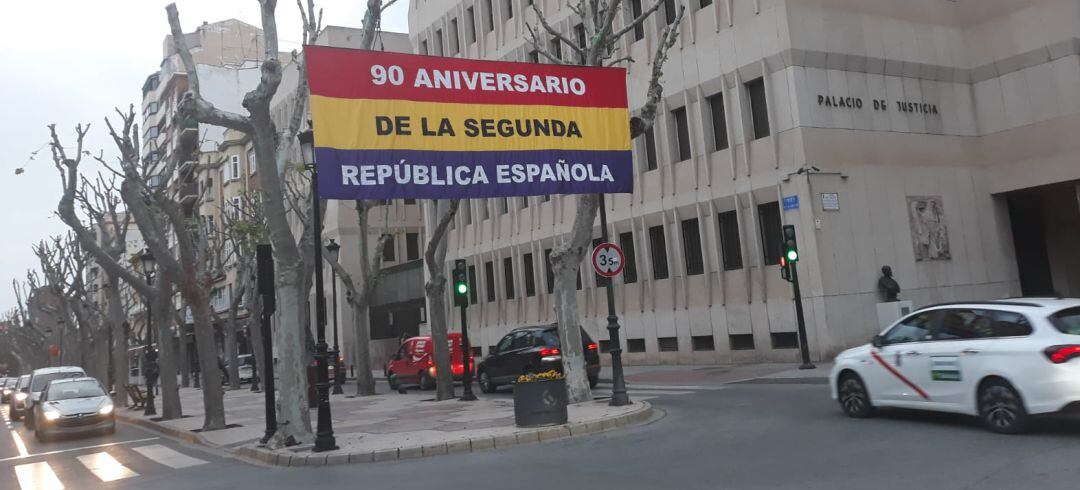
(607, 259)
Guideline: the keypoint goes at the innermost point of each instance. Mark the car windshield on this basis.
(74, 389)
(1067, 320)
(23, 380)
(39, 381)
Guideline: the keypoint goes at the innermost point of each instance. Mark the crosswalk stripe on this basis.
(106, 467)
(168, 457)
(37, 476)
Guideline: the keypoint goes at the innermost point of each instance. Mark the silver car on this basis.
(71, 406)
(38, 379)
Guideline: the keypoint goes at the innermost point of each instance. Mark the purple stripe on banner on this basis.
(420, 174)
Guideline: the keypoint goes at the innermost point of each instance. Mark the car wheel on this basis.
(16, 415)
(40, 436)
(426, 382)
(854, 399)
(1001, 409)
(30, 422)
(391, 379)
(486, 385)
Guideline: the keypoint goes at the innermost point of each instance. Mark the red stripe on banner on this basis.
(899, 376)
(356, 74)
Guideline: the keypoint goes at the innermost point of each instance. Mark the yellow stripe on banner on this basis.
(354, 124)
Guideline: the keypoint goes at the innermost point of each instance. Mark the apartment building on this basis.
(933, 136)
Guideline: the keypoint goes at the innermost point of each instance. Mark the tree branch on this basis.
(644, 121)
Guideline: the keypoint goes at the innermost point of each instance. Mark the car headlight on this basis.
(107, 409)
(20, 396)
(51, 415)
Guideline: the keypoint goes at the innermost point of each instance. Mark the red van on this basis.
(414, 363)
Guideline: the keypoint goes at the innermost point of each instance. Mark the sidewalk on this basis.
(388, 426)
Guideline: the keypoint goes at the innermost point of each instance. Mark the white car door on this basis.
(962, 340)
(898, 356)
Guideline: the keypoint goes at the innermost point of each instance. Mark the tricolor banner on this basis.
(392, 125)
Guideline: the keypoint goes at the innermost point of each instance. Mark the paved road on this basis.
(713, 436)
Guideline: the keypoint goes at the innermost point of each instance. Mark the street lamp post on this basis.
(618, 383)
(150, 367)
(324, 432)
(334, 249)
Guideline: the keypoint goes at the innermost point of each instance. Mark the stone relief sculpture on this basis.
(929, 235)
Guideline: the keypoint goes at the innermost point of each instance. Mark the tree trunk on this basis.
(565, 263)
(231, 353)
(162, 320)
(117, 323)
(254, 302)
(365, 380)
(292, 363)
(213, 402)
(185, 356)
(436, 296)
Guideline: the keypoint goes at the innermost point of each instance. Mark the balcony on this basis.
(186, 167)
(189, 193)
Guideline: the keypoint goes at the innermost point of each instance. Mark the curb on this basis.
(460, 446)
(183, 435)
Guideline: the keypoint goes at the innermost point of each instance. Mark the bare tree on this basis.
(135, 194)
(274, 148)
(435, 259)
(600, 43)
(358, 293)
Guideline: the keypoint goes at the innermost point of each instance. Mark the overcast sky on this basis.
(73, 61)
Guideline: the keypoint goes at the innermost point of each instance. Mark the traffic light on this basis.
(461, 283)
(785, 271)
(791, 248)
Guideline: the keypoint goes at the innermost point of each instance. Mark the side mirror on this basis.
(878, 341)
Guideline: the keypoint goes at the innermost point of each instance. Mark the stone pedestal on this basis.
(887, 313)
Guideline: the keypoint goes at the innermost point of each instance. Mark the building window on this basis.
(658, 246)
(546, 198)
(530, 280)
(237, 208)
(784, 340)
(484, 212)
(412, 246)
(409, 200)
(504, 205)
(489, 278)
(489, 12)
(455, 47)
(669, 11)
(524, 202)
(509, 9)
(470, 26)
(508, 276)
(466, 211)
(730, 248)
(472, 284)
(702, 343)
(682, 132)
(635, 345)
(741, 341)
(691, 236)
(626, 243)
(388, 249)
(151, 109)
(438, 42)
(555, 48)
(719, 122)
(423, 47)
(650, 149)
(759, 109)
(639, 30)
(668, 344)
(579, 36)
(234, 168)
(549, 273)
(252, 165)
(771, 231)
(705, 3)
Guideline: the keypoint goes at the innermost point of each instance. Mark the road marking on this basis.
(673, 387)
(167, 457)
(49, 453)
(19, 444)
(105, 467)
(37, 476)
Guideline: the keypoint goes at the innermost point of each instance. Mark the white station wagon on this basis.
(1002, 361)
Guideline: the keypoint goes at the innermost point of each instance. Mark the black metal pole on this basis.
(324, 433)
(619, 397)
(339, 373)
(466, 349)
(804, 348)
(265, 267)
(149, 357)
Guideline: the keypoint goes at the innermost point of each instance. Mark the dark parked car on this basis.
(19, 395)
(531, 350)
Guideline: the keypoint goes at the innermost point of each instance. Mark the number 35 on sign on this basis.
(607, 259)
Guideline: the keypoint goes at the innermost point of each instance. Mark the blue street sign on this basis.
(791, 202)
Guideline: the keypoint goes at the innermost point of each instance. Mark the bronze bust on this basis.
(888, 286)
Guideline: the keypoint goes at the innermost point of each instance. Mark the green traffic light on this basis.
(792, 255)
(462, 288)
